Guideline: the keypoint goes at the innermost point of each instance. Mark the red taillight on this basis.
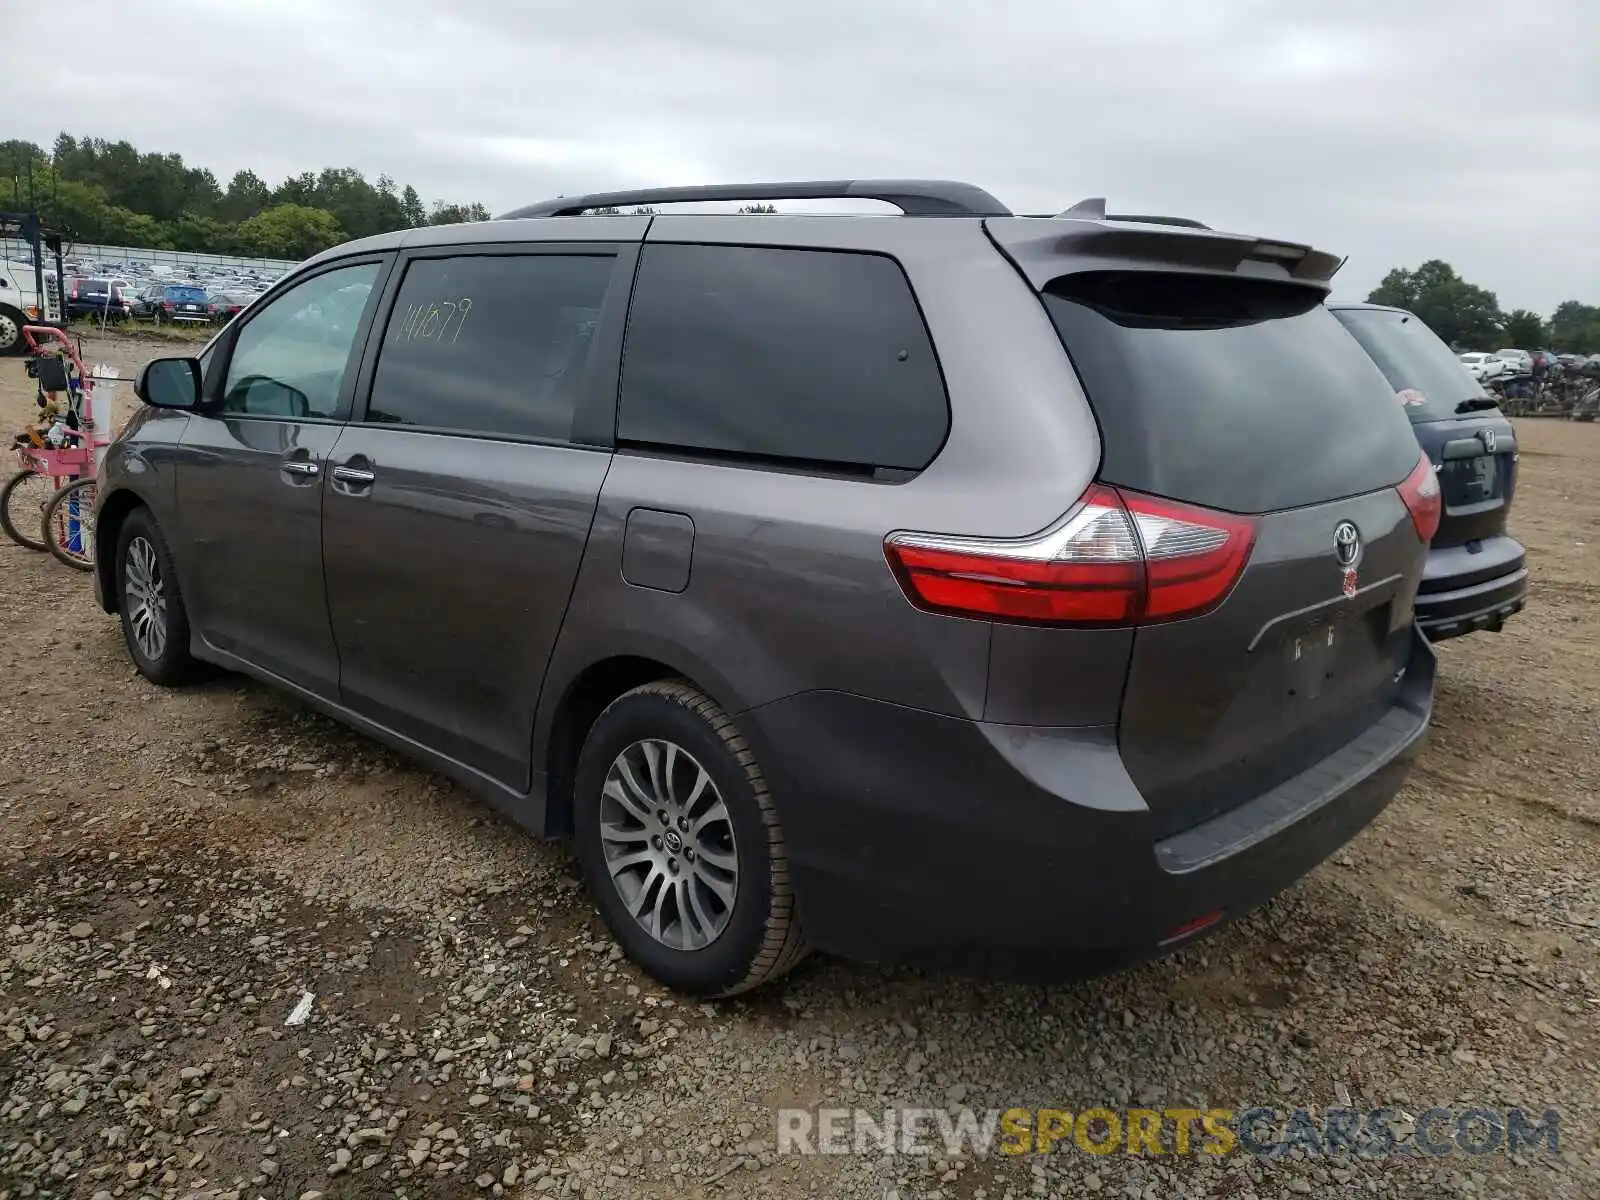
(166, 304)
(1118, 558)
(1420, 491)
(74, 291)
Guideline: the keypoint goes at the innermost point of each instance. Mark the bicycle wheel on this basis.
(22, 503)
(69, 524)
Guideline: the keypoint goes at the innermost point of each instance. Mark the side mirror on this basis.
(169, 383)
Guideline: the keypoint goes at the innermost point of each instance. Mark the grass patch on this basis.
(137, 331)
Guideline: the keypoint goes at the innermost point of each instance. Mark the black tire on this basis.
(169, 663)
(23, 527)
(762, 937)
(11, 323)
(56, 517)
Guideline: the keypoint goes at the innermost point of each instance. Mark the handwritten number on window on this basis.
(438, 322)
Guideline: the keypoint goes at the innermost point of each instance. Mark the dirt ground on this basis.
(178, 868)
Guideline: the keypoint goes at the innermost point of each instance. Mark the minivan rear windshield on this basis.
(1428, 378)
(1237, 394)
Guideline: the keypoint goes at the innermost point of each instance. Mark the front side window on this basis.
(491, 344)
(290, 358)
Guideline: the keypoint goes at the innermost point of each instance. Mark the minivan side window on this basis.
(778, 354)
(496, 345)
(291, 356)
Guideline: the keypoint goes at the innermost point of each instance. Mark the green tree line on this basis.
(110, 193)
(1469, 317)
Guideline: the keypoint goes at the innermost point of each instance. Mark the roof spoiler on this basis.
(1083, 239)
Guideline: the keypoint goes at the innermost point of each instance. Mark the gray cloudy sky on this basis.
(1389, 130)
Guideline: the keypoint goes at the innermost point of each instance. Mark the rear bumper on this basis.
(1472, 587)
(1028, 852)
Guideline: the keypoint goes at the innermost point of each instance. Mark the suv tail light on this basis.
(1420, 491)
(1118, 558)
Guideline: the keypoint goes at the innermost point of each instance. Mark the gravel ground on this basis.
(178, 868)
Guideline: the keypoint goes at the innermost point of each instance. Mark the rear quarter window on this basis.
(1237, 394)
(805, 356)
(1428, 379)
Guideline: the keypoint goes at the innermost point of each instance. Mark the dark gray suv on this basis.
(1477, 573)
(1021, 594)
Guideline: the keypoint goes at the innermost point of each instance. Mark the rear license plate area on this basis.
(1471, 480)
(1335, 653)
(1310, 656)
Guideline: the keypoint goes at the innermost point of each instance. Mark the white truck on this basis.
(21, 304)
(29, 293)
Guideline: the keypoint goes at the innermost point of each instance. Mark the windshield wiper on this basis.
(1476, 404)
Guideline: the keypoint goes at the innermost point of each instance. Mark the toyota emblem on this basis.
(1346, 544)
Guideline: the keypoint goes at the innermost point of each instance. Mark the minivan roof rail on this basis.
(1094, 209)
(914, 197)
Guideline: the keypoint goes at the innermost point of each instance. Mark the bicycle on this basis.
(69, 524)
(55, 455)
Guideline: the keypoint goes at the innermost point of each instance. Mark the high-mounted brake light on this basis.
(1420, 491)
(1118, 558)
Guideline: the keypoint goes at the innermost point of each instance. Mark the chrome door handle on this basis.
(353, 475)
(300, 467)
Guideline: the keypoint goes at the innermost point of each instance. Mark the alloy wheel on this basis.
(145, 593)
(669, 844)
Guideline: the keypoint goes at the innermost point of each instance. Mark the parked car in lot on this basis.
(918, 588)
(1521, 361)
(224, 306)
(99, 296)
(1477, 575)
(1483, 366)
(167, 303)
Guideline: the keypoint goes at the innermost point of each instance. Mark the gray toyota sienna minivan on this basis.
(1022, 594)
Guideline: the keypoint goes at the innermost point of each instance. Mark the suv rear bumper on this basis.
(1027, 852)
(1465, 589)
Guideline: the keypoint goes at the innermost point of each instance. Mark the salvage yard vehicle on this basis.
(1477, 573)
(1027, 595)
(173, 303)
(30, 287)
(1484, 366)
(98, 296)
